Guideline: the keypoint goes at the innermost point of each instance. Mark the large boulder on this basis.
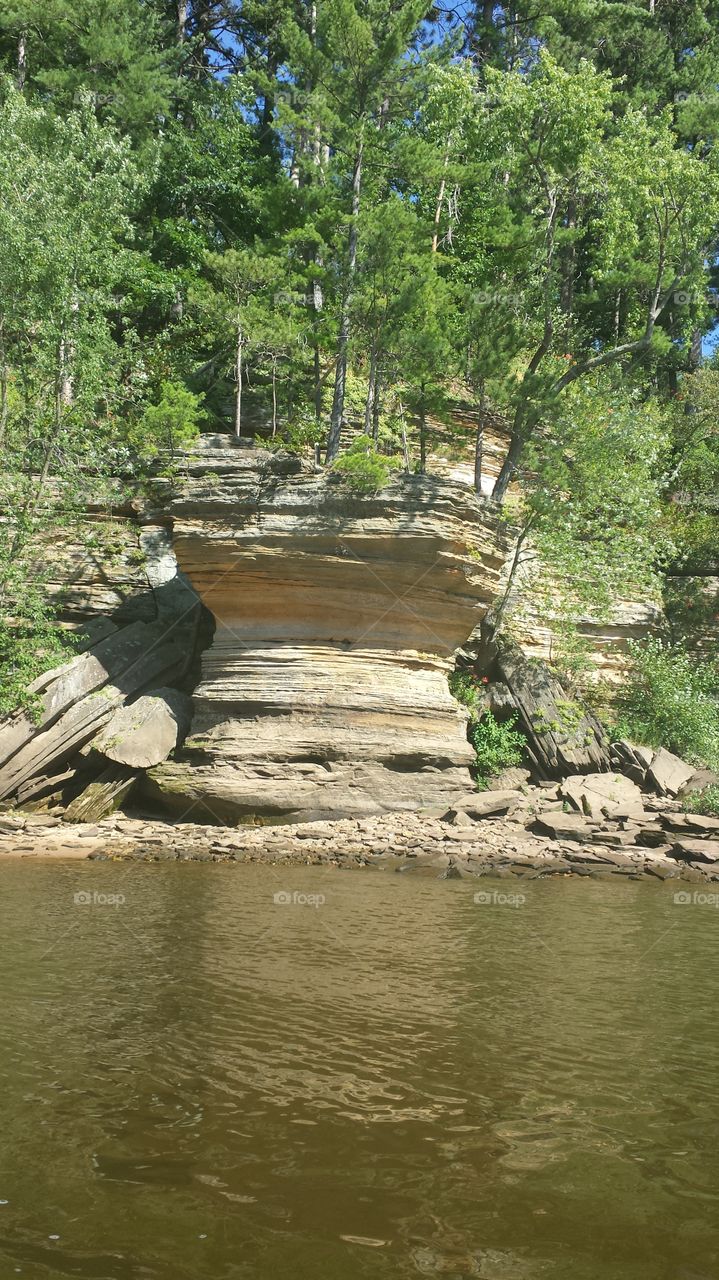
(562, 736)
(143, 733)
(668, 774)
(696, 850)
(484, 804)
(567, 826)
(603, 795)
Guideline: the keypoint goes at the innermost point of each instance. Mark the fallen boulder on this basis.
(608, 795)
(667, 773)
(690, 824)
(562, 736)
(509, 780)
(699, 781)
(696, 850)
(632, 760)
(482, 804)
(105, 794)
(567, 826)
(144, 732)
(145, 652)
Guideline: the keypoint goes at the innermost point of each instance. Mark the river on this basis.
(218, 1072)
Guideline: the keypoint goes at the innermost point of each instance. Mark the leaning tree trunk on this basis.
(338, 400)
(509, 467)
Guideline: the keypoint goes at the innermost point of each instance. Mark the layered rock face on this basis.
(324, 692)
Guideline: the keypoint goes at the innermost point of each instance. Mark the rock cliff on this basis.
(324, 691)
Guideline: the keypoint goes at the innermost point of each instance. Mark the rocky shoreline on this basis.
(532, 832)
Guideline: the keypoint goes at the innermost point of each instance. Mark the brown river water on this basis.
(380, 1077)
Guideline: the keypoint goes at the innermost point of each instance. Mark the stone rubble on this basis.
(528, 833)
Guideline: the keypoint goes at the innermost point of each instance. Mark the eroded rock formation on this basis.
(325, 689)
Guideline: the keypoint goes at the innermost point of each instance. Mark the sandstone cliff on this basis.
(318, 666)
(325, 689)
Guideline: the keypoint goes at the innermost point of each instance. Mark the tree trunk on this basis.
(376, 406)
(274, 397)
(21, 74)
(317, 305)
(369, 402)
(509, 466)
(695, 350)
(66, 358)
(422, 434)
(479, 443)
(338, 400)
(405, 447)
(569, 268)
(3, 392)
(318, 381)
(238, 383)
(440, 202)
(482, 39)
(66, 390)
(182, 10)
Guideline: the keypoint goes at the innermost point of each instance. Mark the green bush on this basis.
(499, 745)
(171, 426)
(299, 436)
(363, 467)
(465, 687)
(29, 646)
(671, 700)
(704, 802)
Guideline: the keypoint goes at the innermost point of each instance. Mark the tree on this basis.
(114, 51)
(589, 513)
(358, 61)
(638, 211)
(236, 305)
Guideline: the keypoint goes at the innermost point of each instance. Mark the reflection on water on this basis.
(202, 1082)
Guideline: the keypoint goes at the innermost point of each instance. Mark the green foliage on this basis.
(671, 700)
(590, 514)
(465, 686)
(499, 745)
(692, 507)
(705, 801)
(223, 205)
(31, 642)
(169, 427)
(298, 437)
(363, 468)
